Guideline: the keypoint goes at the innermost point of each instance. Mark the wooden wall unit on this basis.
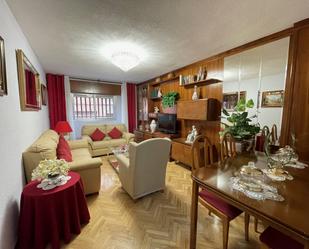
(296, 91)
(296, 106)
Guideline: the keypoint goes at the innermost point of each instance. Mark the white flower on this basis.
(52, 167)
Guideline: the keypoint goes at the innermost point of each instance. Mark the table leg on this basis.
(194, 206)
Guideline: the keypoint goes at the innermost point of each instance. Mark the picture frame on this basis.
(44, 94)
(272, 98)
(230, 99)
(3, 79)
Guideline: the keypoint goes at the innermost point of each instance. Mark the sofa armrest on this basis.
(78, 144)
(88, 139)
(129, 137)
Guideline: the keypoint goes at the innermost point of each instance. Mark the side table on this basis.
(47, 217)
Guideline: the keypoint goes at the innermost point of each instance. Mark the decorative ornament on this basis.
(195, 94)
(153, 126)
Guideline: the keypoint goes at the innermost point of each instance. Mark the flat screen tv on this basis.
(167, 123)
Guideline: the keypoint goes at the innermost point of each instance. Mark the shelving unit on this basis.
(202, 82)
(164, 81)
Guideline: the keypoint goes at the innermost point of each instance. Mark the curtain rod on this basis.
(96, 81)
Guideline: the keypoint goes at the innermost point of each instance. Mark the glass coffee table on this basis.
(122, 149)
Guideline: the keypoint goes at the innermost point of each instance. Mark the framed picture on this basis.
(230, 99)
(43, 94)
(272, 98)
(3, 83)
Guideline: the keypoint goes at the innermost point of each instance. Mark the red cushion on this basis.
(63, 150)
(229, 210)
(115, 133)
(97, 135)
(277, 240)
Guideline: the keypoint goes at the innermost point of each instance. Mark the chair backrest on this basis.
(274, 133)
(202, 152)
(227, 146)
(148, 161)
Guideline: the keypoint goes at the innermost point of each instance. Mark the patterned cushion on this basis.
(229, 210)
(277, 240)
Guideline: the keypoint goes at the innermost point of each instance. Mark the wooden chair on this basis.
(202, 152)
(227, 146)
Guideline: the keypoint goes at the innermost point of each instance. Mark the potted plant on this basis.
(169, 102)
(240, 125)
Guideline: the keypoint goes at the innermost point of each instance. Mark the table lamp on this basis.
(63, 127)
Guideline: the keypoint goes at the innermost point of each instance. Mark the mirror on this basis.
(29, 85)
(258, 74)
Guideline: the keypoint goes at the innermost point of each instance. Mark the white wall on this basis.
(17, 129)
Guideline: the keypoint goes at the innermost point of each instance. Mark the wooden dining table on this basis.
(290, 216)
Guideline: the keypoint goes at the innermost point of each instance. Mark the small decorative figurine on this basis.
(147, 127)
(159, 93)
(153, 126)
(195, 94)
(156, 109)
(192, 135)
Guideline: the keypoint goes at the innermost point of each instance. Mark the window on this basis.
(93, 106)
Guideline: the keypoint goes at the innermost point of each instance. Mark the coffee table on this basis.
(122, 149)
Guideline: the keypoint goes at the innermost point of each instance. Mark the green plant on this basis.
(169, 99)
(240, 126)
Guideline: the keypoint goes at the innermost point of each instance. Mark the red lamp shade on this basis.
(63, 127)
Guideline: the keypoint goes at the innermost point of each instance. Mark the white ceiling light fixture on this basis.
(125, 55)
(125, 60)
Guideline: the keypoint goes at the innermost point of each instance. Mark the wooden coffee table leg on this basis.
(194, 206)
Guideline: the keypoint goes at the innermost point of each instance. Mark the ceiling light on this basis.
(124, 54)
(125, 60)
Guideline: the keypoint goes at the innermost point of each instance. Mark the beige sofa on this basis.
(99, 148)
(144, 171)
(45, 148)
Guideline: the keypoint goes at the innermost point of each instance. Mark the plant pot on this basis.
(244, 145)
(170, 110)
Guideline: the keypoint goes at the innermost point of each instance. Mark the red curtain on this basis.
(131, 96)
(56, 99)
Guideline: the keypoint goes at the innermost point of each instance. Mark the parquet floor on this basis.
(160, 220)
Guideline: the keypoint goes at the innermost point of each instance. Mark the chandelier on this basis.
(125, 60)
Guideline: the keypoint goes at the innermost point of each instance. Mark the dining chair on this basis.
(273, 239)
(227, 146)
(202, 152)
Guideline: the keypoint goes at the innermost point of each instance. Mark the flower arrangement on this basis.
(49, 168)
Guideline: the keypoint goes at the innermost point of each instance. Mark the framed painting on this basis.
(3, 82)
(44, 94)
(272, 98)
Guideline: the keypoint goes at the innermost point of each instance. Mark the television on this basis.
(167, 123)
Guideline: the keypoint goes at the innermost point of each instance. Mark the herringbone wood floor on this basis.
(160, 220)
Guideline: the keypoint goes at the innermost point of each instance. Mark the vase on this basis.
(170, 110)
(153, 126)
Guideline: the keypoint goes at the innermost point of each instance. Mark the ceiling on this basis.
(68, 36)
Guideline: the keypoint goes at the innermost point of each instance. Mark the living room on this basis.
(149, 124)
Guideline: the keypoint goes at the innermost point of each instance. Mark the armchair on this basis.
(144, 171)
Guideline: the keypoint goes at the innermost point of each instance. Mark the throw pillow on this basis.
(97, 135)
(63, 150)
(115, 133)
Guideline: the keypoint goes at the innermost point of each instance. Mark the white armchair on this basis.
(144, 171)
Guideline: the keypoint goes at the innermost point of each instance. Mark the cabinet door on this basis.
(177, 151)
(187, 155)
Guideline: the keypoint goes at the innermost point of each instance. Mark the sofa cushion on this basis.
(115, 133)
(81, 153)
(120, 127)
(97, 135)
(108, 143)
(89, 129)
(63, 150)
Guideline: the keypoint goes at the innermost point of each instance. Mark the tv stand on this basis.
(144, 135)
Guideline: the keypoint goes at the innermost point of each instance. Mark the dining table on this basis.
(290, 216)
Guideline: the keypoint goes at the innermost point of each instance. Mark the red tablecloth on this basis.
(52, 215)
